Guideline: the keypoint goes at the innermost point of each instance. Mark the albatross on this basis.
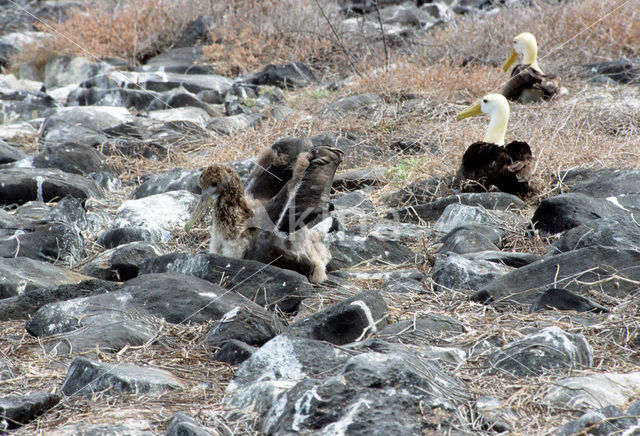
(528, 83)
(273, 229)
(489, 162)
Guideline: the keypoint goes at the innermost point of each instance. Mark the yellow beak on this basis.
(510, 60)
(471, 112)
(203, 204)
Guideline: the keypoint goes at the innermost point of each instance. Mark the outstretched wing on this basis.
(307, 194)
(274, 168)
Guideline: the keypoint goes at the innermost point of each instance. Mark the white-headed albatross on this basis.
(489, 162)
(528, 83)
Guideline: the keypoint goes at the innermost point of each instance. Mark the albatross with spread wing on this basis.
(272, 229)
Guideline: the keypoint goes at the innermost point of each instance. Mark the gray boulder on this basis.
(20, 185)
(121, 263)
(174, 180)
(457, 273)
(566, 211)
(86, 377)
(290, 75)
(350, 248)
(349, 320)
(548, 350)
(18, 410)
(21, 274)
(266, 285)
(433, 210)
(615, 271)
(616, 231)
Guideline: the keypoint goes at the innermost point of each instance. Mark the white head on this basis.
(524, 45)
(497, 107)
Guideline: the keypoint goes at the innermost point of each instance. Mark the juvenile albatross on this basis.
(274, 230)
(489, 163)
(528, 83)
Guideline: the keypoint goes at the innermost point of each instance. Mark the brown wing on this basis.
(528, 85)
(274, 168)
(485, 165)
(307, 194)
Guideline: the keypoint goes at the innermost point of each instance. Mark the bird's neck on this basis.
(231, 212)
(497, 128)
(530, 57)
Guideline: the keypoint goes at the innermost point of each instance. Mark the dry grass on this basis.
(177, 349)
(129, 30)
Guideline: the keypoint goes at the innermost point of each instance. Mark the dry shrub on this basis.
(131, 30)
(441, 79)
(250, 34)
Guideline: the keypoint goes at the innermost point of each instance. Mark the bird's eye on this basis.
(484, 100)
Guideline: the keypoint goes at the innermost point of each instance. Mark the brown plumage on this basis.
(273, 230)
(486, 165)
(527, 85)
(274, 168)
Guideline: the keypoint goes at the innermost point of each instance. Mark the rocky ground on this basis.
(444, 312)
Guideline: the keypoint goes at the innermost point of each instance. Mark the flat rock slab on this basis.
(612, 271)
(457, 273)
(234, 123)
(71, 158)
(370, 392)
(48, 241)
(26, 304)
(595, 391)
(138, 428)
(616, 231)
(86, 377)
(106, 336)
(184, 425)
(609, 183)
(252, 327)
(351, 248)
(508, 258)
(566, 211)
(459, 215)
(82, 125)
(263, 284)
(115, 237)
(234, 352)
(422, 330)
(548, 350)
(293, 74)
(160, 213)
(9, 153)
(343, 322)
(21, 274)
(605, 421)
(433, 210)
(17, 410)
(19, 185)
(173, 297)
(174, 180)
(471, 238)
(357, 179)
